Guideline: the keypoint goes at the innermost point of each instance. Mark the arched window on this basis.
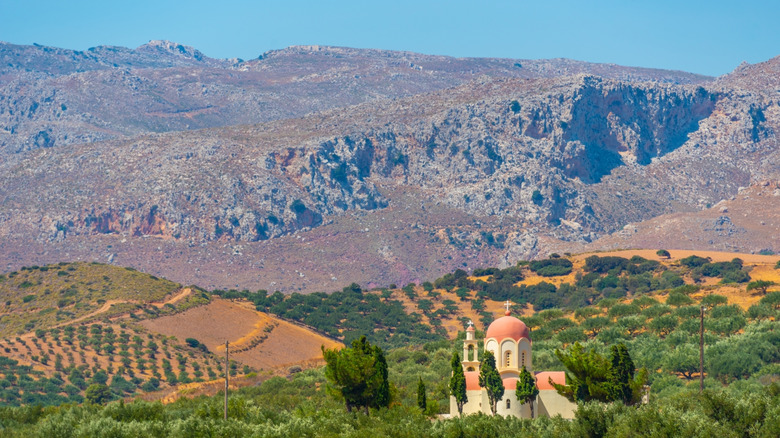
(470, 369)
(471, 352)
(508, 358)
(508, 403)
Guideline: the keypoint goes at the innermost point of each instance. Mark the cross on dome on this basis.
(507, 304)
(470, 323)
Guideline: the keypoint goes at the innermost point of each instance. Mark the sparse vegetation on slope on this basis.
(46, 296)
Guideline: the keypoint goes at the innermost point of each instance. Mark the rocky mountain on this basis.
(51, 96)
(413, 165)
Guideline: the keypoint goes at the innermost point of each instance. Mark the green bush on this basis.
(686, 289)
(551, 267)
(694, 261)
(603, 265)
(192, 342)
(677, 299)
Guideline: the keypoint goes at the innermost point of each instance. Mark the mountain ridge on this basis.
(110, 92)
(517, 165)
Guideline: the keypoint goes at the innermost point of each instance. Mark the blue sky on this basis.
(709, 37)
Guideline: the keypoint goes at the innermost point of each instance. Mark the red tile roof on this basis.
(510, 383)
(543, 379)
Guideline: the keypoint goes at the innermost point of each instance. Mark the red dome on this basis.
(507, 327)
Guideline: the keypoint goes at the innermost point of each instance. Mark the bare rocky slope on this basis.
(51, 96)
(748, 222)
(414, 166)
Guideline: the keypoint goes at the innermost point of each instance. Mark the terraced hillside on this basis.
(70, 325)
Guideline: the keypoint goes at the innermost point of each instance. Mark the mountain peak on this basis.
(172, 48)
(759, 76)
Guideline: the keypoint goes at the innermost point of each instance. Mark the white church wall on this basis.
(473, 405)
(549, 403)
(515, 408)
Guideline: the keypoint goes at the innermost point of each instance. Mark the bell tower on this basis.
(470, 350)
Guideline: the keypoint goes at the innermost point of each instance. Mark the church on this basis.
(509, 341)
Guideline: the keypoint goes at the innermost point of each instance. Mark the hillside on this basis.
(256, 339)
(69, 325)
(747, 221)
(160, 157)
(49, 296)
(141, 338)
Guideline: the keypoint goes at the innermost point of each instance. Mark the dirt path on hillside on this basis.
(104, 308)
(107, 305)
(184, 293)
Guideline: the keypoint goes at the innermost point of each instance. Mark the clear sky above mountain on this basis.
(709, 37)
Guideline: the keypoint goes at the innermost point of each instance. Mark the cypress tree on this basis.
(490, 379)
(422, 401)
(625, 387)
(526, 390)
(381, 398)
(458, 383)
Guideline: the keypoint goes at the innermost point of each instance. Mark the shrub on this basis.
(645, 301)
(192, 342)
(772, 299)
(550, 314)
(687, 312)
(603, 265)
(586, 312)
(760, 311)
(738, 276)
(656, 311)
(694, 261)
(551, 267)
(677, 299)
(554, 271)
(151, 385)
(686, 289)
(486, 271)
(537, 198)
